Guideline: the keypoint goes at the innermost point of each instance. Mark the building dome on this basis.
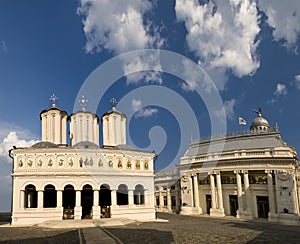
(259, 124)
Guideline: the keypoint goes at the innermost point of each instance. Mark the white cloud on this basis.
(120, 26)
(284, 17)
(297, 81)
(140, 112)
(222, 33)
(150, 64)
(280, 90)
(228, 108)
(13, 140)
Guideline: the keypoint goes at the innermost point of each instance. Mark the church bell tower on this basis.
(54, 123)
(114, 126)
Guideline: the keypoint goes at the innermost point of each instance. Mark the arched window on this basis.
(69, 197)
(105, 196)
(50, 197)
(122, 195)
(30, 199)
(87, 201)
(139, 197)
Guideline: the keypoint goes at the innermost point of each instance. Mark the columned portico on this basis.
(247, 212)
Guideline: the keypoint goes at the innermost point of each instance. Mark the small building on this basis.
(53, 180)
(248, 175)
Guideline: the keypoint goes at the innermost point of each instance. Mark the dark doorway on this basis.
(50, 197)
(139, 197)
(69, 202)
(122, 195)
(262, 206)
(208, 204)
(105, 200)
(87, 202)
(233, 202)
(30, 197)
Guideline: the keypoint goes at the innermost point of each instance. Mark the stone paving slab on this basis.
(97, 235)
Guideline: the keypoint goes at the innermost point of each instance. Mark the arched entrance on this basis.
(50, 197)
(122, 195)
(87, 201)
(69, 202)
(30, 197)
(139, 197)
(105, 200)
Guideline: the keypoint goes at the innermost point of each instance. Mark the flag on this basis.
(242, 121)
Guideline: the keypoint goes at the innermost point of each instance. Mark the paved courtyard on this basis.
(179, 229)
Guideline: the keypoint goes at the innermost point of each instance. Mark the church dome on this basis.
(44, 144)
(259, 124)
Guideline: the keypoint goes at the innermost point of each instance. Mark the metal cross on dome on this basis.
(113, 102)
(83, 102)
(53, 100)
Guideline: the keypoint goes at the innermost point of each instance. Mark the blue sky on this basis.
(250, 50)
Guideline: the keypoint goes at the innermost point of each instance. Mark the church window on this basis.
(139, 196)
(50, 197)
(30, 197)
(122, 195)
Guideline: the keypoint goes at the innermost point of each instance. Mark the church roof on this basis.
(44, 144)
(52, 108)
(113, 110)
(236, 142)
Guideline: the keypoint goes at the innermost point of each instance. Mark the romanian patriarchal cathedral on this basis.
(255, 176)
(52, 180)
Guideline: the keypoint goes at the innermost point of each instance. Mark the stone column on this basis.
(161, 198)
(78, 208)
(248, 210)
(192, 190)
(270, 192)
(213, 191)
(239, 194)
(220, 194)
(40, 199)
(113, 197)
(130, 198)
(59, 199)
(177, 200)
(169, 202)
(96, 207)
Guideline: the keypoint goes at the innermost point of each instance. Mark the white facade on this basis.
(54, 181)
(84, 126)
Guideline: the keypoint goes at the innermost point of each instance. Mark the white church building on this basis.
(55, 180)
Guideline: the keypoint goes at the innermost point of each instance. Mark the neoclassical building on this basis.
(253, 176)
(54, 180)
